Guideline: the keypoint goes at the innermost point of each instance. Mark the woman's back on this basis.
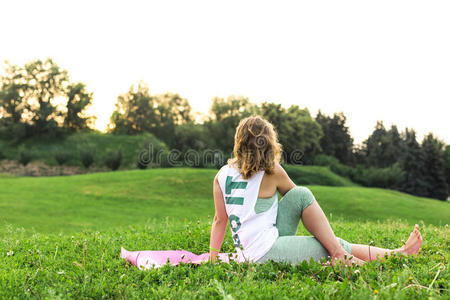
(253, 230)
(278, 180)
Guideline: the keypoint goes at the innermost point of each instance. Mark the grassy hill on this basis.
(317, 175)
(80, 222)
(104, 200)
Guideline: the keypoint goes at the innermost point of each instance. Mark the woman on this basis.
(245, 194)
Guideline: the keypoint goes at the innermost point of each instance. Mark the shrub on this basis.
(141, 164)
(113, 159)
(14, 132)
(191, 136)
(164, 161)
(390, 177)
(25, 155)
(87, 156)
(149, 152)
(61, 156)
(325, 160)
(2, 155)
(335, 165)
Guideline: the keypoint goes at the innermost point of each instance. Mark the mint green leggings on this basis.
(288, 246)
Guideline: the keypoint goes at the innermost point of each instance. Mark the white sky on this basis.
(373, 60)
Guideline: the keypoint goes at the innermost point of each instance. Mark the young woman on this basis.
(245, 194)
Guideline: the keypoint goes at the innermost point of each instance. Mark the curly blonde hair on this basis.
(256, 147)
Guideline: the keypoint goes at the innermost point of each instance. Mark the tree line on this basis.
(40, 99)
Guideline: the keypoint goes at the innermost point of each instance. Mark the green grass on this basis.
(87, 265)
(43, 149)
(319, 175)
(60, 237)
(103, 200)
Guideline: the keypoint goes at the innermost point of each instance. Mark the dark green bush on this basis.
(87, 156)
(13, 132)
(191, 136)
(61, 156)
(25, 155)
(335, 165)
(169, 159)
(390, 177)
(2, 155)
(325, 160)
(113, 159)
(141, 164)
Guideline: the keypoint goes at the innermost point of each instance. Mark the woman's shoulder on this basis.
(278, 170)
(279, 174)
(221, 170)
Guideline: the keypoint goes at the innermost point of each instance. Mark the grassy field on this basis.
(87, 265)
(60, 237)
(103, 200)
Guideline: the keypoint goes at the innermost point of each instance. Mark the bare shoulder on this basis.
(279, 170)
(284, 183)
(278, 173)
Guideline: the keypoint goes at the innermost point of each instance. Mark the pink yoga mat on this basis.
(149, 259)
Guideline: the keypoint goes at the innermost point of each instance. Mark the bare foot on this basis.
(347, 259)
(413, 243)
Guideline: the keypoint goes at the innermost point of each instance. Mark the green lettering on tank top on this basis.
(234, 200)
(237, 222)
(233, 185)
(237, 241)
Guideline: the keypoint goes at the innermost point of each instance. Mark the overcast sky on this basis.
(373, 60)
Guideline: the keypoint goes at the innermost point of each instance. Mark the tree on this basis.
(383, 147)
(46, 82)
(134, 112)
(12, 103)
(32, 101)
(297, 131)
(447, 165)
(413, 163)
(375, 146)
(336, 139)
(171, 110)
(434, 172)
(236, 107)
(12, 92)
(394, 146)
(225, 117)
(191, 136)
(78, 99)
(137, 111)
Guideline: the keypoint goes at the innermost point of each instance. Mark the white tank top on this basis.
(255, 233)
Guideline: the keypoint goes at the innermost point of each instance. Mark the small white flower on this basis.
(10, 253)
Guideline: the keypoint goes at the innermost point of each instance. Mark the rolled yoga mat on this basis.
(149, 259)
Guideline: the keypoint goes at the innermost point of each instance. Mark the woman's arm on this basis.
(220, 222)
(284, 182)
